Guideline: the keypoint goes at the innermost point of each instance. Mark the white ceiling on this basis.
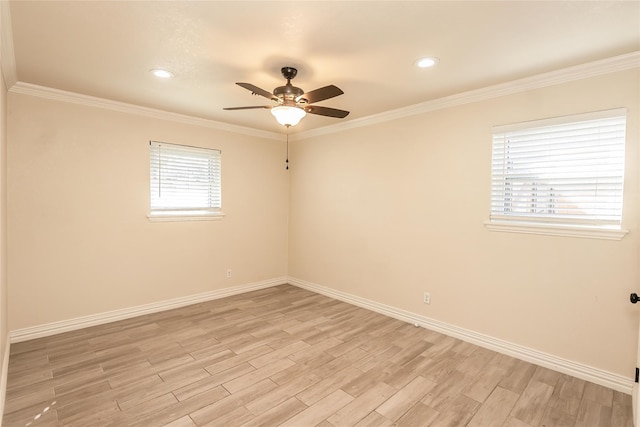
(367, 48)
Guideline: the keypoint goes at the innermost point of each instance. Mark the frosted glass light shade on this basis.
(288, 116)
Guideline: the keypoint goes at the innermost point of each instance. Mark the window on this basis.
(185, 182)
(560, 176)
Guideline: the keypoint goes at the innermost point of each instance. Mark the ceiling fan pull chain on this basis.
(287, 161)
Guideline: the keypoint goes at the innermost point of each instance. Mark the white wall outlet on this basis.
(228, 273)
(427, 298)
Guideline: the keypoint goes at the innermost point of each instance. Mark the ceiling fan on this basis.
(292, 102)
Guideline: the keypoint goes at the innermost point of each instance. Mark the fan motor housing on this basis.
(288, 91)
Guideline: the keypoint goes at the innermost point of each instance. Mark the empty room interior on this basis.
(330, 213)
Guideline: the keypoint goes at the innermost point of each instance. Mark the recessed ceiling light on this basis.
(163, 74)
(426, 62)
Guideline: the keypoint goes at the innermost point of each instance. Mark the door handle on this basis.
(634, 298)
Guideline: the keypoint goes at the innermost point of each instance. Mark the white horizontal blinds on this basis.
(566, 170)
(184, 178)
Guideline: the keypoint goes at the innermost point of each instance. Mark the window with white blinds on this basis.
(185, 181)
(562, 172)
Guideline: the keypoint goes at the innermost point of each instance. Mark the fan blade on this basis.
(321, 94)
(257, 91)
(247, 108)
(326, 111)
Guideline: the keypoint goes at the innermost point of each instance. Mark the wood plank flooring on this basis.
(284, 356)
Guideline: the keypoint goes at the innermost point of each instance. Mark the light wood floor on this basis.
(285, 356)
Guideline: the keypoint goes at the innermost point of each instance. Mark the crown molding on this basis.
(122, 107)
(565, 75)
(7, 55)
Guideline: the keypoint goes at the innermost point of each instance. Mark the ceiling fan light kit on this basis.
(288, 116)
(293, 102)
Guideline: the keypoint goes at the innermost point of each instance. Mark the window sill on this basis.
(556, 230)
(185, 216)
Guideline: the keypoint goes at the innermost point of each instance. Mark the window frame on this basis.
(186, 213)
(539, 224)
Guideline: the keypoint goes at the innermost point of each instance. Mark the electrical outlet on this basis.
(427, 298)
(228, 273)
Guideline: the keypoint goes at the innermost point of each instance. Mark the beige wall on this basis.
(388, 211)
(78, 195)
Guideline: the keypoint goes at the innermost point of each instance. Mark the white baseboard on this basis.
(578, 370)
(585, 372)
(54, 328)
